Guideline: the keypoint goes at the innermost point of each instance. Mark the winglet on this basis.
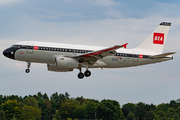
(125, 45)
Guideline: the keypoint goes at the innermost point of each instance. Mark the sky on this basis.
(91, 22)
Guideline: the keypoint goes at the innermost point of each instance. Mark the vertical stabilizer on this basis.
(156, 41)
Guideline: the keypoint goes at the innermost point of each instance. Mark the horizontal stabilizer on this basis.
(162, 55)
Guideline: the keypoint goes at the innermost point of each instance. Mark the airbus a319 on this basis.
(61, 57)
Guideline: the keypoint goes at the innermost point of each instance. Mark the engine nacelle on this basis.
(65, 62)
(52, 67)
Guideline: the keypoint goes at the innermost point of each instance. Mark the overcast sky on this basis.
(91, 22)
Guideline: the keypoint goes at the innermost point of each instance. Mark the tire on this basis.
(87, 73)
(80, 75)
(27, 70)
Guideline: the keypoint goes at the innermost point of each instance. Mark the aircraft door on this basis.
(135, 56)
(74, 52)
(30, 47)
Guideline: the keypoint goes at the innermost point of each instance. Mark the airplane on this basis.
(61, 57)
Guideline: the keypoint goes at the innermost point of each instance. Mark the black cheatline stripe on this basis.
(78, 51)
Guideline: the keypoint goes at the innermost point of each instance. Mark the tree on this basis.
(55, 102)
(11, 107)
(130, 106)
(81, 100)
(163, 107)
(43, 106)
(150, 107)
(125, 112)
(150, 115)
(90, 110)
(170, 112)
(48, 108)
(174, 104)
(157, 117)
(140, 110)
(161, 113)
(29, 112)
(39, 94)
(67, 108)
(176, 117)
(45, 96)
(130, 116)
(30, 101)
(67, 95)
(110, 110)
(2, 115)
(1, 99)
(58, 117)
(79, 112)
(178, 110)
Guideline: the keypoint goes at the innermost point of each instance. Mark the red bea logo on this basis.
(35, 47)
(141, 56)
(158, 38)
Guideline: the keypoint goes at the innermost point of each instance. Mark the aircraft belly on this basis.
(120, 62)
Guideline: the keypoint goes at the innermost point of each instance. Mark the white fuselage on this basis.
(46, 52)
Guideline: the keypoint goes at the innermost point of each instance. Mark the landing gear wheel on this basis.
(80, 75)
(28, 66)
(27, 70)
(87, 73)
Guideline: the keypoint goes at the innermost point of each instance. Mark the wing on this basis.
(92, 57)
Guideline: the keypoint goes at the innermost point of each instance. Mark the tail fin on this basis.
(156, 41)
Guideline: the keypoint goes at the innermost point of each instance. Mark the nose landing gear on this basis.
(28, 66)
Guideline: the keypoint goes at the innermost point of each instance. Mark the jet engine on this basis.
(65, 62)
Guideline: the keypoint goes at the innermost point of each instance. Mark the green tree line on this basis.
(62, 107)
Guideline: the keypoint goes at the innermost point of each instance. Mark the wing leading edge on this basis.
(92, 57)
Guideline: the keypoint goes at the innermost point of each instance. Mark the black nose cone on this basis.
(4, 52)
(9, 53)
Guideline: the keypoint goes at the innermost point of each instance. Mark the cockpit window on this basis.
(15, 46)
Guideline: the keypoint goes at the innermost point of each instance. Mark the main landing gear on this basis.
(87, 73)
(28, 66)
